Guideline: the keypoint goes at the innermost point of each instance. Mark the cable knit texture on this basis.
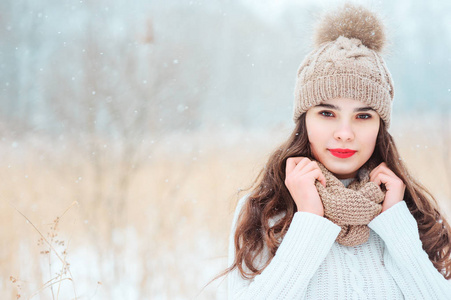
(346, 63)
(311, 264)
(351, 208)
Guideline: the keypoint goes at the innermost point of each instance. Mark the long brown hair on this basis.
(269, 197)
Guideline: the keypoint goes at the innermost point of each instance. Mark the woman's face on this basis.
(342, 133)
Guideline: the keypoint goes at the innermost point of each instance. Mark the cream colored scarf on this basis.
(353, 207)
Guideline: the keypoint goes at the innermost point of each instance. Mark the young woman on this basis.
(335, 213)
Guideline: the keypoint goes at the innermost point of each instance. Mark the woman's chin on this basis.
(343, 170)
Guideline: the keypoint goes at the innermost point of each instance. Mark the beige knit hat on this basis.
(346, 63)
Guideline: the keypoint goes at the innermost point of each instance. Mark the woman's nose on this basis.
(344, 132)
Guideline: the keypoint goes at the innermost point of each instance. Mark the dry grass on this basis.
(50, 242)
(170, 237)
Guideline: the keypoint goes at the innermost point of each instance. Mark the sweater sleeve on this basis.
(302, 250)
(405, 258)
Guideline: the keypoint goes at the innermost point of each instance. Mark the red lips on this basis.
(342, 153)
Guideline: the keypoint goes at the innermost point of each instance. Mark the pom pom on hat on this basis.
(352, 21)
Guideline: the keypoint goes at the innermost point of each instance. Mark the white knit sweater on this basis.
(310, 264)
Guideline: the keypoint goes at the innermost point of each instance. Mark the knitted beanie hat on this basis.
(346, 63)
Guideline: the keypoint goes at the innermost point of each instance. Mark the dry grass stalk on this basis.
(50, 241)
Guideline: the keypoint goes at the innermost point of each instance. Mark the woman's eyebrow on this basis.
(330, 106)
(360, 109)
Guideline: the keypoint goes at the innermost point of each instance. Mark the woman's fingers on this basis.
(293, 162)
(301, 174)
(302, 163)
(313, 168)
(382, 168)
(394, 185)
(301, 166)
(322, 179)
(381, 178)
(318, 175)
(290, 165)
(305, 166)
(383, 175)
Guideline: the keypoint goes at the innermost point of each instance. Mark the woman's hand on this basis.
(393, 184)
(300, 176)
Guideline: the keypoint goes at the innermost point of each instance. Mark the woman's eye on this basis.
(364, 116)
(326, 114)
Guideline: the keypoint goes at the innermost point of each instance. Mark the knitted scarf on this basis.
(351, 208)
